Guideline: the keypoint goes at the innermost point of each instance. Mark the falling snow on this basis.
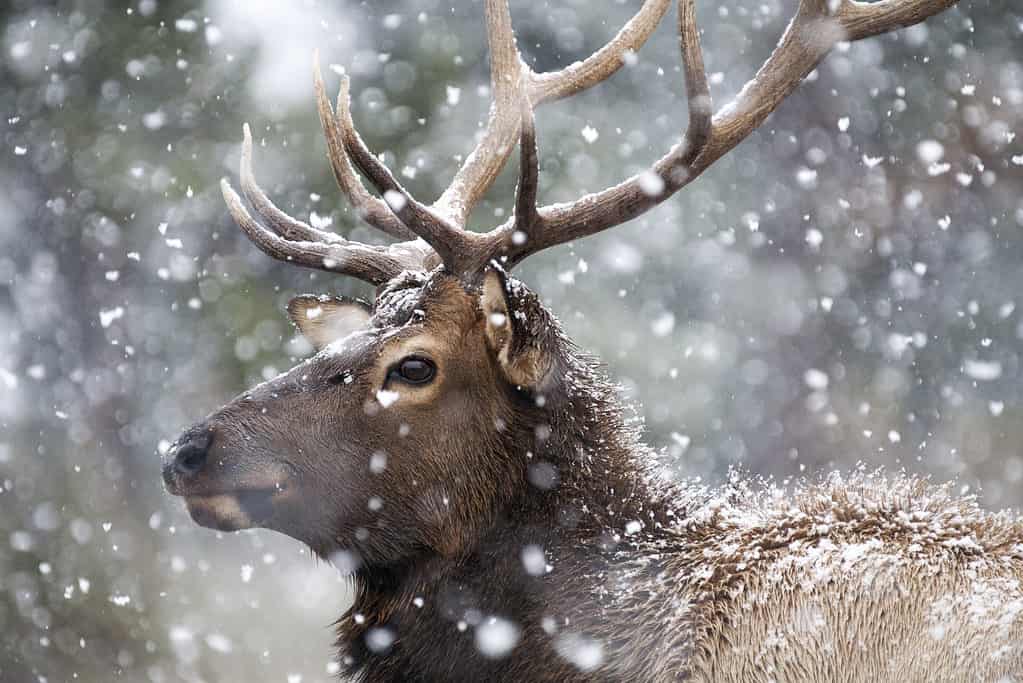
(843, 287)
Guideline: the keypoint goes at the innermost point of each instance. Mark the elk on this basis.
(450, 448)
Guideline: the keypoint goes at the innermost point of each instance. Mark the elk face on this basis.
(393, 438)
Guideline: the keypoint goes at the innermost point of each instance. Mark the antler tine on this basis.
(370, 264)
(701, 107)
(529, 177)
(281, 223)
(809, 37)
(484, 163)
(371, 209)
(550, 226)
(450, 242)
(865, 19)
(511, 81)
(602, 64)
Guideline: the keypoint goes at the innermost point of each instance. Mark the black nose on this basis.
(190, 454)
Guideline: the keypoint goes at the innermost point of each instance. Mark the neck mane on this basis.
(590, 486)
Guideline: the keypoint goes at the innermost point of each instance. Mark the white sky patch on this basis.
(284, 36)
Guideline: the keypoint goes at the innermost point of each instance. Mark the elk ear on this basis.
(325, 319)
(512, 331)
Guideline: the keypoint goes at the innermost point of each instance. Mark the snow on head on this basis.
(496, 637)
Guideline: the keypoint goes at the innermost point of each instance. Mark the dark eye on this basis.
(414, 370)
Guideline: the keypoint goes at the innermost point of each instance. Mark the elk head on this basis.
(413, 424)
(399, 434)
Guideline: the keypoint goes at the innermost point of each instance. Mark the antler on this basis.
(816, 28)
(399, 214)
(436, 234)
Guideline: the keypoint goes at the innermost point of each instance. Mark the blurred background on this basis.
(845, 287)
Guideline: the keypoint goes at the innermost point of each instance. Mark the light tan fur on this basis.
(866, 578)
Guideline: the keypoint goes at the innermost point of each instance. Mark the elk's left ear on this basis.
(514, 332)
(325, 319)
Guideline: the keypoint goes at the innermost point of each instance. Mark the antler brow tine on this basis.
(278, 221)
(350, 258)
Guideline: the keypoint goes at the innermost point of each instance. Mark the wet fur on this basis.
(519, 440)
(865, 578)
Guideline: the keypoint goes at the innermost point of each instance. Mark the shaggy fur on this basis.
(864, 578)
(525, 534)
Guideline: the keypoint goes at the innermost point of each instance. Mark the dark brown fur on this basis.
(521, 443)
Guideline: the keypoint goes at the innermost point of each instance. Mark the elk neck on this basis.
(587, 479)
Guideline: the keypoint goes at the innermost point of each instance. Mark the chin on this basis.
(233, 511)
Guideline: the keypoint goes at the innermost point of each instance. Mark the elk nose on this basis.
(190, 454)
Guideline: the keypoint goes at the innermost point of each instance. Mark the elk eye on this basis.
(414, 370)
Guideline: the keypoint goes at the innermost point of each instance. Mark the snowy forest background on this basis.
(846, 287)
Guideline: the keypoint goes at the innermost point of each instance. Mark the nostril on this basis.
(192, 452)
(191, 458)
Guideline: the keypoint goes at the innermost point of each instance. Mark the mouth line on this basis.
(241, 492)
